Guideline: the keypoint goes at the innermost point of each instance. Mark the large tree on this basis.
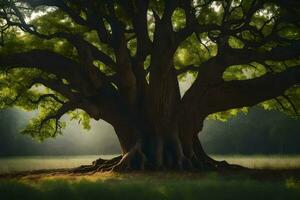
(122, 61)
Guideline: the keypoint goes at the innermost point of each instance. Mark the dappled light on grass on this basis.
(263, 161)
(261, 184)
(152, 187)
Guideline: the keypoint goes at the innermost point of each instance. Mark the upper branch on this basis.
(245, 93)
(87, 52)
(93, 21)
(140, 25)
(46, 96)
(56, 116)
(41, 59)
(49, 62)
(243, 56)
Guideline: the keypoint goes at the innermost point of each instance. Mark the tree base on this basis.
(135, 161)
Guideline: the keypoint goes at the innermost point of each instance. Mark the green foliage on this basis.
(178, 19)
(195, 50)
(13, 88)
(224, 116)
(244, 72)
(288, 103)
(14, 83)
(192, 52)
(39, 127)
(14, 92)
(82, 117)
(55, 21)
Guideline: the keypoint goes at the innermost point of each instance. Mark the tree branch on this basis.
(57, 86)
(236, 94)
(84, 48)
(94, 19)
(243, 56)
(186, 69)
(46, 96)
(66, 107)
(55, 64)
(41, 59)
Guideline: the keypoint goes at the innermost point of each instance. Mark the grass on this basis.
(24, 163)
(265, 184)
(156, 186)
(263, 161)
(14, 164)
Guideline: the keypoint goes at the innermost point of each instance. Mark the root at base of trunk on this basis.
(135, 160)
(222, 165)
(97, 165)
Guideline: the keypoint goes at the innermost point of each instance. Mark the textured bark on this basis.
(151, 150)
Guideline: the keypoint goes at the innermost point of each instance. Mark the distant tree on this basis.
(121, 61)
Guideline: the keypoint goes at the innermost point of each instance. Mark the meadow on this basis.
(24, 163)
(280, 181)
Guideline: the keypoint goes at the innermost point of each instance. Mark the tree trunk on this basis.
(155, 151)
(153, 134)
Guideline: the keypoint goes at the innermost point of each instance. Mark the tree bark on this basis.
(144, 150)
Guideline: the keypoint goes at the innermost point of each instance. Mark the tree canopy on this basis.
(122, 61)
(257, 38)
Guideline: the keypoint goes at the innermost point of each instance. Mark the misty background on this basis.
(258, 132)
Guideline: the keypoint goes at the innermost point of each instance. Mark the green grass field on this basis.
(15, 164)
(273, 184)
(152, 187)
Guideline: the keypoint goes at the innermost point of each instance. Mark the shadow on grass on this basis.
(152, 188)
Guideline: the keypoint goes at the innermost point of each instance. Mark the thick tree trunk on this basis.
(156, 151)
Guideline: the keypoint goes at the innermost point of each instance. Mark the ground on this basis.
(271, 177)
(245, 184)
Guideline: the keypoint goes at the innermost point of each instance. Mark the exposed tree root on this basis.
(135, 160)
(97, 165)
(223, 165)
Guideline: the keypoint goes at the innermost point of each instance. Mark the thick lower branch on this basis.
(235, 94)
